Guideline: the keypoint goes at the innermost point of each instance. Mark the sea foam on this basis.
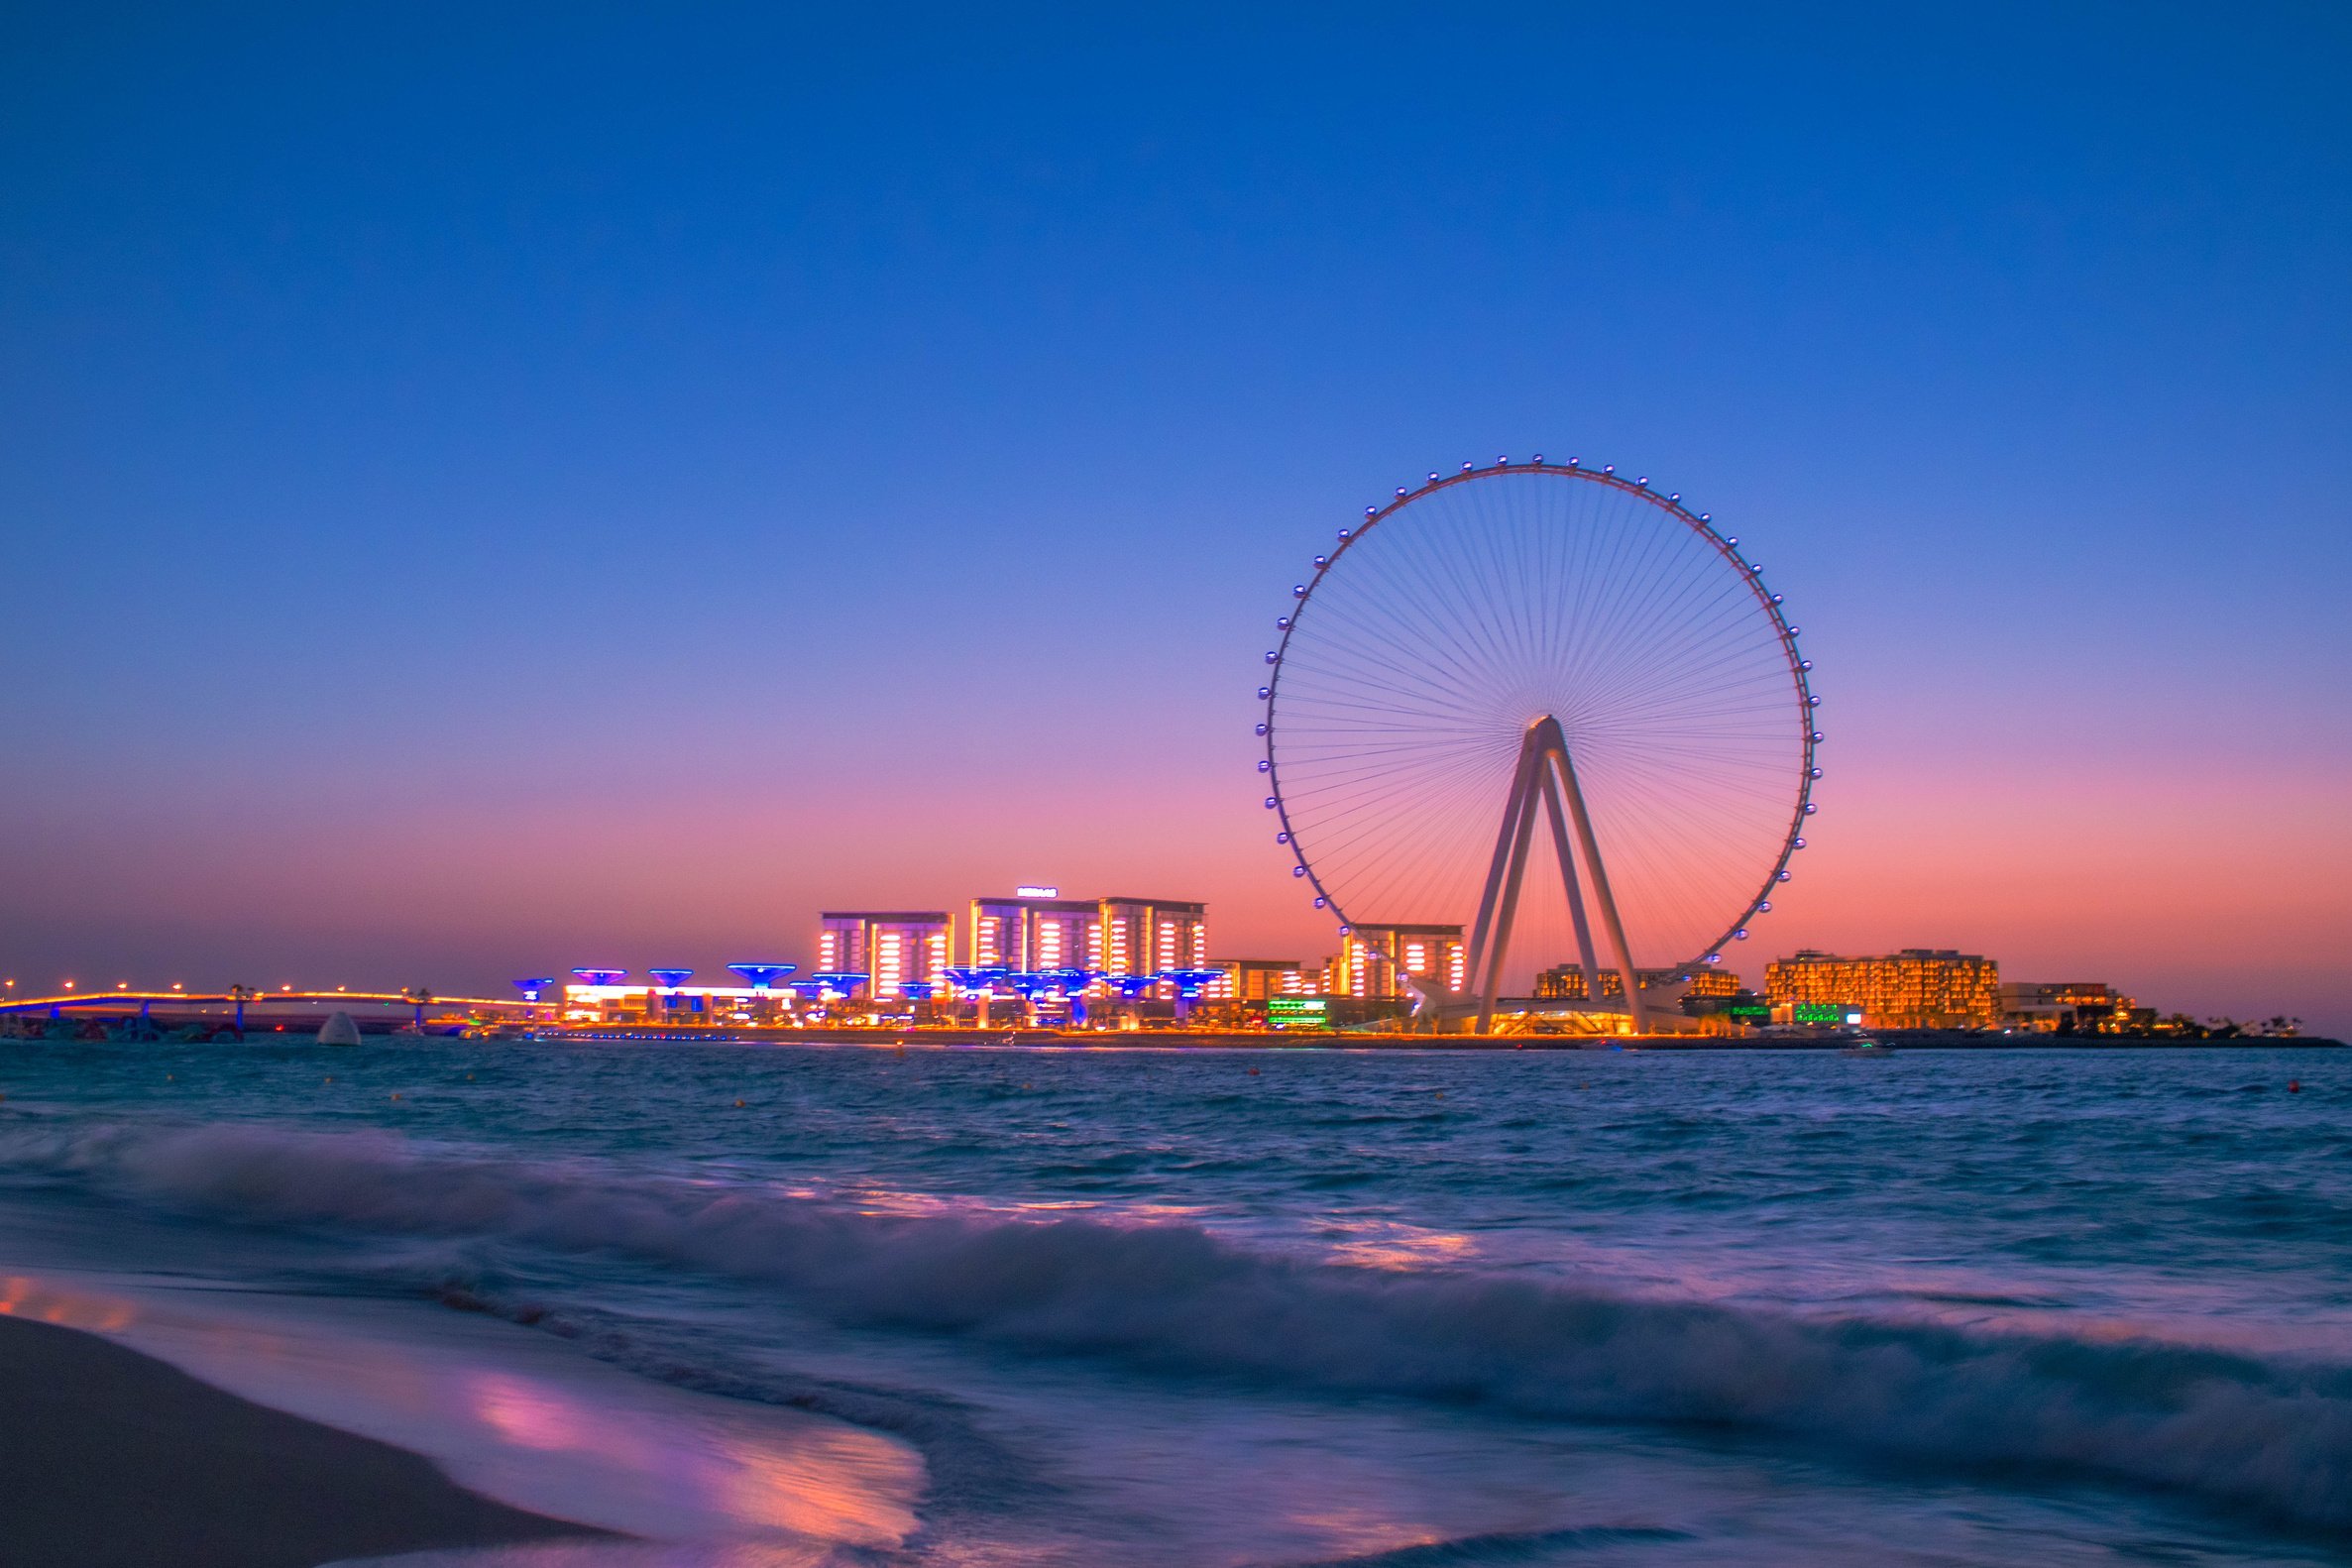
(2272, 1434)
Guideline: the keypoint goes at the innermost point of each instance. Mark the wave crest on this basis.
(2276, 1435)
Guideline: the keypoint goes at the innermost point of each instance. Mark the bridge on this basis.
(241, 1008)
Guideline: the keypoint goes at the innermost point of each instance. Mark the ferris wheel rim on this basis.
(1702, 524)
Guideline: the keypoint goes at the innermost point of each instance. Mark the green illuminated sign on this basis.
(1820, 1012)
(1291, 1011)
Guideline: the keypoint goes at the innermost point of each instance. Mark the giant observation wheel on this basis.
(1542, 651)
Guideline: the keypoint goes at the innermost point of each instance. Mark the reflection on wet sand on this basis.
(524, 1421)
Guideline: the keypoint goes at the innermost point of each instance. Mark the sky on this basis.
(484, 491)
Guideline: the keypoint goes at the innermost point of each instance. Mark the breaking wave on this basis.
(1171, 1299)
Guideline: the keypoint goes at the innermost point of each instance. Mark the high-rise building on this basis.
(1151, 935)
(1371, 957)
(1034, 933)
(1915, 988)
(894, 947)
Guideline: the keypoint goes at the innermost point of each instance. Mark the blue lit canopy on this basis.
(759, 977)
(671, 978)
(600, 977)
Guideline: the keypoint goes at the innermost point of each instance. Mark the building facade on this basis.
(893, 949)
(2075, 1006)
(1915, 988)
(1257, 979)
(1565, 982)
(1372, 961)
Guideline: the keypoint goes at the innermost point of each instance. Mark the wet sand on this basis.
(110, 1459)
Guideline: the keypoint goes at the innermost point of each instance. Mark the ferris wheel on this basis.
(1534, 650)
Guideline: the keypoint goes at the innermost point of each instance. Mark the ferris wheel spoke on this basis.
(1441, 631)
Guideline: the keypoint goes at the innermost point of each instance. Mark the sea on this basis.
(765, 1305)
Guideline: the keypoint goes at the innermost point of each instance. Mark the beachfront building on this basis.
(1373, 960)
(1152, 936)
(615, 1001)
(1566, 984)
(1915, 988)
(1257, 979)
(2074, 1006)
(895, 948)
(1034, 932)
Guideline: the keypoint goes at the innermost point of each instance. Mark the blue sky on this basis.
(478, 487)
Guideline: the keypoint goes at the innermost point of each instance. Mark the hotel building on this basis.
(892, 948)
(1371, 957)
(1111, 935)
(1916, 988)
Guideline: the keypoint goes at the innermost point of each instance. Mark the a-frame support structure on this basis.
(1546, 777)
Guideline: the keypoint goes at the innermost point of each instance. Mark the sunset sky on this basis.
(488, 492)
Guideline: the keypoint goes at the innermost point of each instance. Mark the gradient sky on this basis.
(489, 489)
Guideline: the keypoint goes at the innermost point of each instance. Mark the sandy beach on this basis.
(112, 1458)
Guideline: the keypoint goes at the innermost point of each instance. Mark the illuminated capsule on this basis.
(1265, 766)
(1677, 495)
(1372, 512)
(1765, 908)
(1643, 481)
(1782, 877)
(1322, 560)
(1502, 461)
(1282, 623)
(1401, 490)
(1265, 692)
(1260, 729)
(1799, 844)
(1297, 590)
(1282, 838)
(1810, 807)
(1271, 803)
(1776, 599)
(1299, 870)
(1572, 462)
(1609, 468)
(1433, 479)
(1320, 902)
(1538, 458)
(1466, 466)
(1272, 656)
(1802, 664)
(1817, 773)
(1740, 934)
(1813, 702)
(1346, 535)
(1819, 737)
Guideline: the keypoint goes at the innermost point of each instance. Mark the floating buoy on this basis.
(330, 1078)
(2295, 1085)
(396, 1094)
(739, 1105)
(1253, 1072)
(469, 1078)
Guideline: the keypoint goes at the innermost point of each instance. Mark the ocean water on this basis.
(1171, 1308)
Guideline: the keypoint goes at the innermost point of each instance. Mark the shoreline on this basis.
(119, 1459)
(1327, 1040)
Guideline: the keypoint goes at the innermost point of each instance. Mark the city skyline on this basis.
(458, 536)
